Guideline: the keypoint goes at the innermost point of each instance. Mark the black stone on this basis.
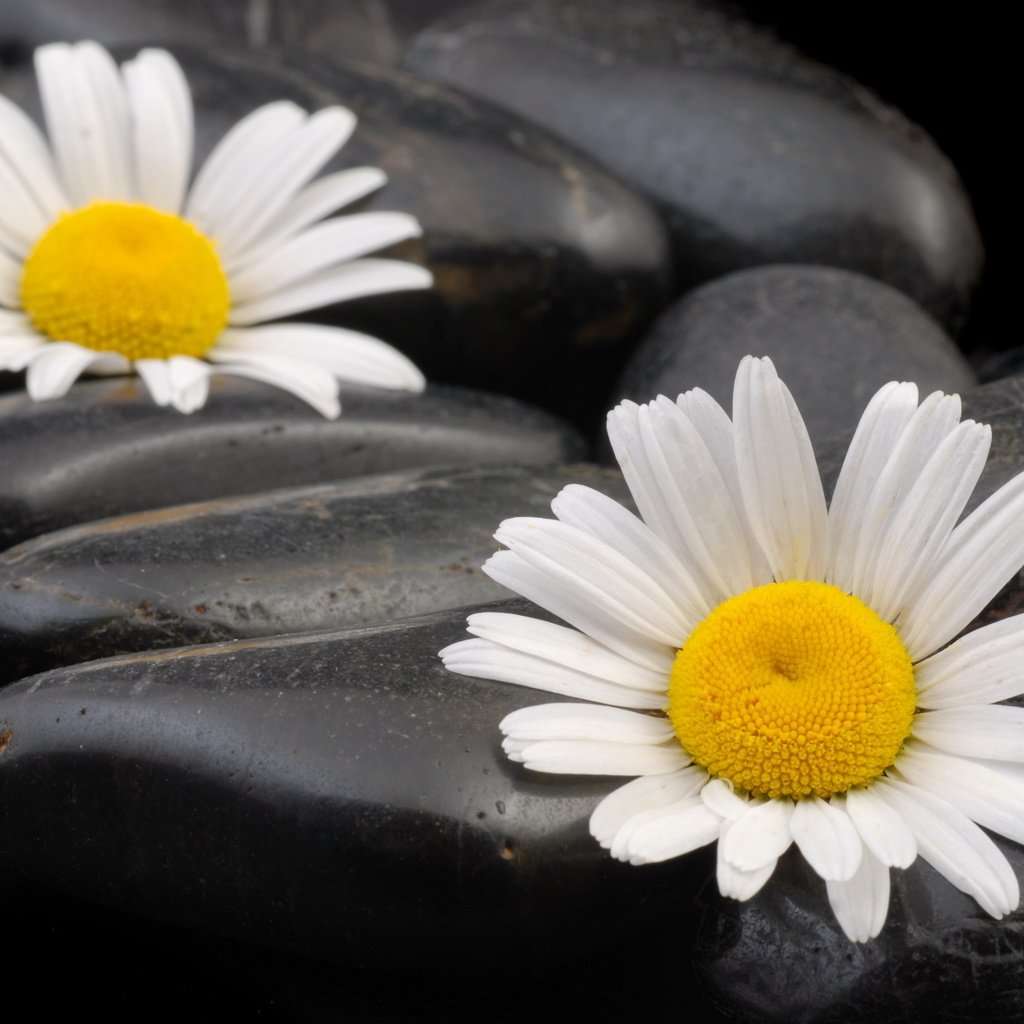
(366, 30)
(834, 336)
(105, 449)
(545, 265)
(232, 980)
(755, 153)
(362, 552)
(336, 795)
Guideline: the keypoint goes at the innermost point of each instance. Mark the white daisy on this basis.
(109, 260)
(787, 666)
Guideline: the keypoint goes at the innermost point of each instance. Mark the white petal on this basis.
(156, 375)
(645, 481)
(241, 153)
(955, 846)
(585, 722)
(928, 514)
(595, 618)
(739, 885)
(160, 108)
(319, 248)
(884, 832)
(17, 351)
(985, 666)
(485, 660)
(21, 219)
(760, 837)
(349, 355)
(861, 903)
(1011, 769)
(13, 322)
(671, 834)
(712, 530)
(295, 164)
(647, 793)
(313, 203)
(721, 798)
(982, 554)
(314, 385)
(594, 757)
(782, 489)
(570, 648)
(716, 431)
(987, 730)
(937, 416)
(827, 839)
(277, 172)
(607, 521)
(87, 117)
(338, 284)
(56, 366)
(619, 845)
(23, 146)
(681, 495)
(985, 795)
(189, 382)
(596, 571)
(883, 421)
(10, 281)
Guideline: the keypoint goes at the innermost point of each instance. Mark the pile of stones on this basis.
(225, 733)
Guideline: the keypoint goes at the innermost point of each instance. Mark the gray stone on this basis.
(362, 552)
(105, 449)
(755, 153)
(835, 337)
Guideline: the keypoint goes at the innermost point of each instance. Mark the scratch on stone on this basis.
(127, 583)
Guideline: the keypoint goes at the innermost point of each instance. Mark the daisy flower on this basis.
(110, 261)
(772, 671)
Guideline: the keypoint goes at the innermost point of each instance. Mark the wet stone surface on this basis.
(818, 324)
(754, 153)
(336, 795)
(106, 449)
(362, 552)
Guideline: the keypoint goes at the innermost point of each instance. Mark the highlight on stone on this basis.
(111, 261)
(772, 671)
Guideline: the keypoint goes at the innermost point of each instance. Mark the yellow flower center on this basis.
(126, 278)
(793, 689)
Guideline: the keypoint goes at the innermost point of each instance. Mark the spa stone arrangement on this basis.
(233, 767)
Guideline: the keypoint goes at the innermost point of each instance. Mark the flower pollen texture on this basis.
(126, 278)
(793, 689)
